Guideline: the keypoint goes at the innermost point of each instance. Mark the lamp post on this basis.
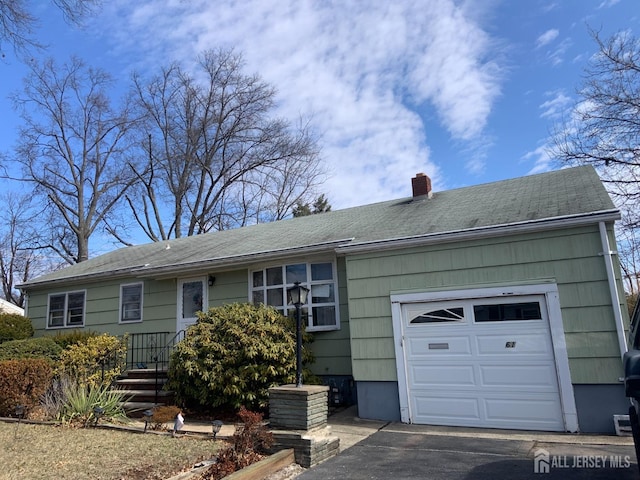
(298, 296)
(148, 415)
(20, 411)
(97, 413)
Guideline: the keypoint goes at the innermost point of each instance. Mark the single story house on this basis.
(496, 305)
(8, 307)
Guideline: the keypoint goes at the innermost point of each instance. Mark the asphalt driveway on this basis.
(400, 455)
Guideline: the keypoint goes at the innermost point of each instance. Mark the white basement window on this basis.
(66, 310)
(269, 286)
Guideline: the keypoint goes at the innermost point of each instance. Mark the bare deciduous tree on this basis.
(73, 150)
(217, 157)
(18, 22)
(604, 131)
(605, 125)
(19, 260)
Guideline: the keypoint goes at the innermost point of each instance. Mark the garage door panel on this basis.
(443, 375)
(530, 411)
(514, 344)
(444, 410)
(498, 374)
(438, 345)
(523, 377)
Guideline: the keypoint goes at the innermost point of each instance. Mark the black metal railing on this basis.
(152, 350)
(143, 348)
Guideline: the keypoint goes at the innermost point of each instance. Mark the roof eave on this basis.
(191, 268)
(553, 223)
(170, 271)
(111, 274)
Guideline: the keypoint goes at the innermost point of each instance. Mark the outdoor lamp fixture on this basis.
(147, 418)
(20, 411)
(297, 295)
(216, 425)
(97, 413)
(211, 280)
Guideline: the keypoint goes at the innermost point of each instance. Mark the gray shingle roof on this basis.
(552, 195)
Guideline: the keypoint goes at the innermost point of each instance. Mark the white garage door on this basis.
(482, 362)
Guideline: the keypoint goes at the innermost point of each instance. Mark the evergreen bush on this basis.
(14, 327)
(97, 361)
(71, 337)
(232, 356)
(39, 347)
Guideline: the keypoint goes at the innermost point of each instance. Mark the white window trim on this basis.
(66, 308)
(127, 322)
(554, 313)
(308, 262)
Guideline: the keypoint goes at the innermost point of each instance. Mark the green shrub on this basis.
(71, 337)
(232, 356)
(23, 382)
(79, 402)
(97, 361)
(14, 327)
(39, 347)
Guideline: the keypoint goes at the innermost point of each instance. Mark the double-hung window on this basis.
(66, 309)
(131, 302)
(269, 286)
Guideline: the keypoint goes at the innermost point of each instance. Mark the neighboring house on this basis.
(497, 305)
(8, 307)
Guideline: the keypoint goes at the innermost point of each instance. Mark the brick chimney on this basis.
(421, 185)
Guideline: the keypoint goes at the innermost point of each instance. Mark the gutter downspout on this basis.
(607, 253)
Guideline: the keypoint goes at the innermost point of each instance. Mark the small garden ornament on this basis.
(178, 424)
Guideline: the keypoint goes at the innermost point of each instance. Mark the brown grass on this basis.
(52, 452)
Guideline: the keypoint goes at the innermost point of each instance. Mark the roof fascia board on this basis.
(112, 275)
(170, 271)
(482, 232)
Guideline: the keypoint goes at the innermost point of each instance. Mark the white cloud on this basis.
(547, 37)
(542, 159)
(556, 56)
(608, 3)
(370, 72)
(556, 106)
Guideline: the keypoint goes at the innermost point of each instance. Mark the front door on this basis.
(192, 298)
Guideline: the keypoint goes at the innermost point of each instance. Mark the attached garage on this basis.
(483, 358)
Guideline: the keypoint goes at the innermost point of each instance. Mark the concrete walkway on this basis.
(351, 429)
(344, 424)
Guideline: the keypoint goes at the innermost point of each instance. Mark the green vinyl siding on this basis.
(103, 303)
(572, 258)
(229, 287)
(331, 349)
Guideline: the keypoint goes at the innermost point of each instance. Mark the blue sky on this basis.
(465, 91)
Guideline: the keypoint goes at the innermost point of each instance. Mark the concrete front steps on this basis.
(143, 390)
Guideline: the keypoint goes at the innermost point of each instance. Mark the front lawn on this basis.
(55, 452)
